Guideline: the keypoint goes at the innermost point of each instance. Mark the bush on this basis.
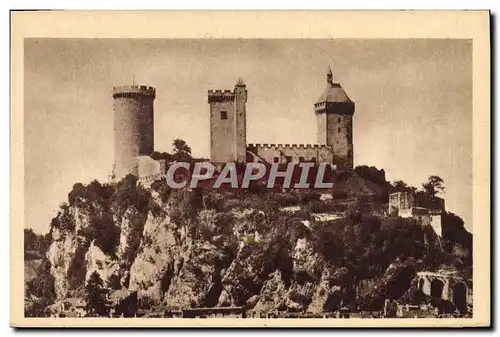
(36, 245)
(213, 201)
(323, 206)
(64, 221)
(145, 303)
(105, 233)
(306, 196)
(128, 194)
(42, 286)
(184, 206)
(162, 188)
(285, 199)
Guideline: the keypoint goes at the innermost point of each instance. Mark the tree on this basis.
(433, 186)
(78, 191)
(95, 296)
(35, 245)
(181, 146)
(42, 287)
(105, 233)
(161, 155)
(401, 186)
(455, 232)
(182, 151)
(29, 238)
(372, 174)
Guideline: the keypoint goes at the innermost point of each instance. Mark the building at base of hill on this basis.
(426, 210)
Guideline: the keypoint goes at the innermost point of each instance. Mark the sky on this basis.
(413, 101)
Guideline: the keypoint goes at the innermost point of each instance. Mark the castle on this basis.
(134, 131)
(334, 110)
(334, 113)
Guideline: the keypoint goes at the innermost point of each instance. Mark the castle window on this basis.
(276, 159)
(223, 115)
(301, 159)
(288, 159)
(313, 159)
(339, 119)
(338, 130)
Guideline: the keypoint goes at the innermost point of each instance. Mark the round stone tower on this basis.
(133, 125)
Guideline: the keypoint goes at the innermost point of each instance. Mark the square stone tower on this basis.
(228, 124)
(334, 112)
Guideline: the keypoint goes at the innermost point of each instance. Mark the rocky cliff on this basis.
(174, 249)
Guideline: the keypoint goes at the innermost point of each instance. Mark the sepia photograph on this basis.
(251, 180)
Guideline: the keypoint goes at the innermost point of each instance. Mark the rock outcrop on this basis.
(65, 252)
(157, 259)
(163, 248)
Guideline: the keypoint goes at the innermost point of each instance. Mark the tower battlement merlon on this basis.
(220, 96)
(289, 146)
(133, 91)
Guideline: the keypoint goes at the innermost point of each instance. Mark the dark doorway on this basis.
(421, 285)
(437, 288)
(460, 296)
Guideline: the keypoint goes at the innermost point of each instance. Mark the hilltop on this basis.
(157, 247)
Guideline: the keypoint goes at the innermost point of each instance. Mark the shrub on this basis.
(42, 286)
(213, 201)
(105, 233)
(36, 245)
(162, 188)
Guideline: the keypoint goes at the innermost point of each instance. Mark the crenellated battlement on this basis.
(134, 91)
(220, 96)
(151, 177)
(289, 146)
(320, 105)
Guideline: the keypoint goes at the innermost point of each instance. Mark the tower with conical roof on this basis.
(334, 112)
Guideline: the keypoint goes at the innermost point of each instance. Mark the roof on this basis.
(354, 184)
(334, 93)
(240, 82)
(213, 309)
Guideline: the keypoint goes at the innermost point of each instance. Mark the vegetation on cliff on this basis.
(193, 247)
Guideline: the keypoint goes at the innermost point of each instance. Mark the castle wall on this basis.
(145, 166)
(433, 202)
(425, 280)
(436, 224)
(421, 215)
(133, 125)
(294, 153)
(402, 201)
